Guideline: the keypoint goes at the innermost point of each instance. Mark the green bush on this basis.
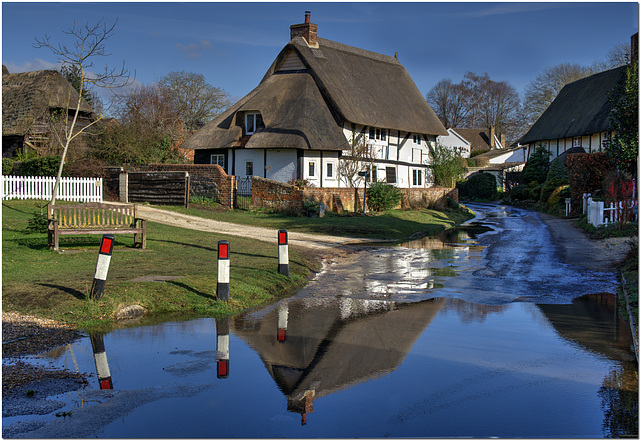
(479, 152)
(39, 166)
(7, 166)
(536, 167)
(519, 192)
(479, 186)
(471, 162)
(382, 196)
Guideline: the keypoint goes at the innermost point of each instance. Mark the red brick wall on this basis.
(271, 194)
(414, 198)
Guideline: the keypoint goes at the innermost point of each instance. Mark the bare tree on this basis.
(196, 101)
(86, 43)
(358, 158)
(449, 102)
(541, 92)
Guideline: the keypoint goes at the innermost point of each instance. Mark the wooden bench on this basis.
(95, 218)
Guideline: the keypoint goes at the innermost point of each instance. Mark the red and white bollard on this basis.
(222, 347)
(102, 266)
(222, 290)
(283, 320)
(100, 358)
(283, 252)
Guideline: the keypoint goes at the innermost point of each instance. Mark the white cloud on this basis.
(194, 50)
(32, 66)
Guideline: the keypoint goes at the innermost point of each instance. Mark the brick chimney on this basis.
(306, 30)
(634, 48)
(492, 137)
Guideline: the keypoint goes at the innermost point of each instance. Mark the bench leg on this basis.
(144, 234)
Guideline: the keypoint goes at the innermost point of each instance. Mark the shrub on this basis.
(382, 196)
(40, 166)
(479, 186)
(558, 195)
(536, 167)
(519, 192)
(557, 176)
(471, 162)
(7, 166)
(586, 173)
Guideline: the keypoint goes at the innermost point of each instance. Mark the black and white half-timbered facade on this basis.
(317, 99)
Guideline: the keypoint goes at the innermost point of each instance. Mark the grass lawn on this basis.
(394, 225)
(40, 282)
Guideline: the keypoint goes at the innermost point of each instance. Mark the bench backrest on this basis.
(93, 215)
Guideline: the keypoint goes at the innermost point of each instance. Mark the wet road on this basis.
(479, 332)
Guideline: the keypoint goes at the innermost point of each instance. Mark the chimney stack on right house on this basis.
(306, 30)
(634, 48)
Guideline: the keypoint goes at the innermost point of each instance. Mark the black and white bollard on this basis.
(222, 347)
(100, 358)
(283, 252)
(102, 266)
(283, 320)
(222, 290)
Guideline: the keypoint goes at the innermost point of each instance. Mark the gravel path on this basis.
(311, 241)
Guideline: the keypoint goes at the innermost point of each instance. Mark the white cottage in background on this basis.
(455, 142)
(317, 96)
(578, 117)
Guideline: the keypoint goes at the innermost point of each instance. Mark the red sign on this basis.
(223, 250)
(282, 237)
(107, 244)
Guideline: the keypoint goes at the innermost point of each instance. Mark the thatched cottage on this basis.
(318, 99)
(29, 100)
(579, 116)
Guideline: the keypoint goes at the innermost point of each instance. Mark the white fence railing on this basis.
(73, 189)
(602, 213)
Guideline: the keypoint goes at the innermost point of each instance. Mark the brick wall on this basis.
(349, 198)
(415, 198)
(271, 194)
(205, 180)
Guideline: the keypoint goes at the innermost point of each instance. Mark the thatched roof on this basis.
(336, 84)
(581, 108)
(327, 353)
(27, 96)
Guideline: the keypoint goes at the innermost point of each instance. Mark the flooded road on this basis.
(456, 335)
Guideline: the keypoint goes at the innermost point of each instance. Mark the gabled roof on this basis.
(305, 104)
(27, 96)
(581, 108)
(477, 137)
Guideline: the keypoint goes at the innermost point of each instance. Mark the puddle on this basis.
(425, 339)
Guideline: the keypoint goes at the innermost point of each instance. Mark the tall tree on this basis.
(196, 101)
(448, 100)
(86, 43)
(541, 92)
(623, 148)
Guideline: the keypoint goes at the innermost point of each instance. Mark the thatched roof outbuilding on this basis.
(312, 89)
(28, 96)
(581, 108)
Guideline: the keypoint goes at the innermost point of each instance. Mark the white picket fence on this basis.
(73, 189)
(601, 213)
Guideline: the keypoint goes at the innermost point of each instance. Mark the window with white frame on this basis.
(417, 177)
(248, 168)
(577, 141)
(312, 169)
(253, 122)
(416, 139)
(379, 134)
(391, 174)
(217, 159)
(329, 170)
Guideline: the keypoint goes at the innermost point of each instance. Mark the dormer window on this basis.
(253, 122)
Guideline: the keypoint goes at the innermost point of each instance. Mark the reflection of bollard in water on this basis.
(222, 290)
(100, 358)
(283, 252)
(102, 266)
(222, 347)
(283, 319)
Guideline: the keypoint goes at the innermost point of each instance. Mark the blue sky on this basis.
(233, 44)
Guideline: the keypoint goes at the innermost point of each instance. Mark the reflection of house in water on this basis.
(336, 345)
(472, 312)
(592, 322)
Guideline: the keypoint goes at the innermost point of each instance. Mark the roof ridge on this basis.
(357, 51)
